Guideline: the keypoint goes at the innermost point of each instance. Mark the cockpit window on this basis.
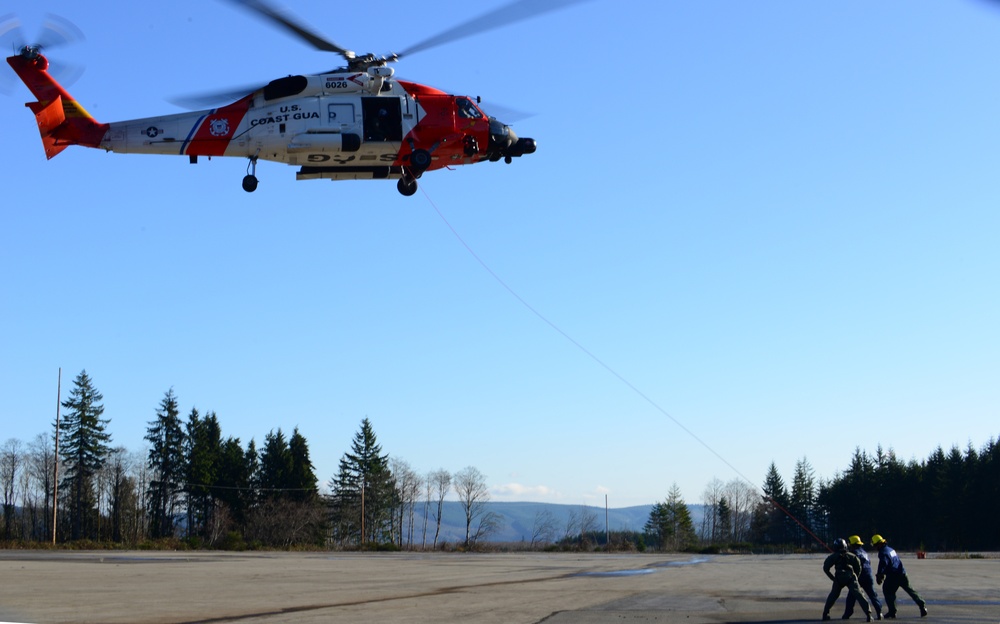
(467, 109)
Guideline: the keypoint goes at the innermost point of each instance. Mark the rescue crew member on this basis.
(866, 579)
(893, 575)
(847, 567)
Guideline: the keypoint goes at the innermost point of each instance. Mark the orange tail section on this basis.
(61, 120)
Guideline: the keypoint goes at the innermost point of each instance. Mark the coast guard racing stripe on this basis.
(212, 134)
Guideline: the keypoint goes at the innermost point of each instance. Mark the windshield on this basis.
(467, 109)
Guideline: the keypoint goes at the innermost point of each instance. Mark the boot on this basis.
(923, 611)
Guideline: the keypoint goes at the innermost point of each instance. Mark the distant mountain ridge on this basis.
(519, 520)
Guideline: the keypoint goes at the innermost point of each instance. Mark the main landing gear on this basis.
(250, 179)
(407, 185)
(420, 160)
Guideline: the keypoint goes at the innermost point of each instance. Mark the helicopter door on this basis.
(383, 119)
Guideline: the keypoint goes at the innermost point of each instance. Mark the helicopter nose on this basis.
(504, 143)
(522, 147)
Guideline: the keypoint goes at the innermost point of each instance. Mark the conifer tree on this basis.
(275, 466)
(85, 446)
(203, 451)
(725, 520)
(252, 465)
(302, 482)
(772, 520)
(802, 501)
(362, 492)
(670, 526)
(234, 480)
(166, 464)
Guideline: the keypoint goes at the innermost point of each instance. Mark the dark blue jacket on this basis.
(866, 563)
(888, 562)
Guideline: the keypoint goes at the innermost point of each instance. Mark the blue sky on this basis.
(775, 221)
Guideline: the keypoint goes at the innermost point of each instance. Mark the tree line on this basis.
(946, 502)
(193, 484)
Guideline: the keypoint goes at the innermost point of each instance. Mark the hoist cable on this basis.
(608, 368)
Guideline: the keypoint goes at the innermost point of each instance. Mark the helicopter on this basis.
(355, 122)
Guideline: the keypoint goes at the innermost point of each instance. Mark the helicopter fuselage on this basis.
(330, 125)
(337, 126)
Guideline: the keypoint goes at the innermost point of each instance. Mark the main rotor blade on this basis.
(512, 12)
(285, 20)
(213, 99)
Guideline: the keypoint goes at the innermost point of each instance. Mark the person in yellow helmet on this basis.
(866, 579)
(892, 573)
(847, 567)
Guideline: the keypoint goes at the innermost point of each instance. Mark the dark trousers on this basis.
(868, 585)
(893, 582)
(853, 589)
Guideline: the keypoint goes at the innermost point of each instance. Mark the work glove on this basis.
(879, 578)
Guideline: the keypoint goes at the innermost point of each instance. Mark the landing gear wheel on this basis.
(406, 186)
(420, 160)
(250, 179)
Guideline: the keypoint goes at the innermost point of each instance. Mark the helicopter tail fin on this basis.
(61, 120)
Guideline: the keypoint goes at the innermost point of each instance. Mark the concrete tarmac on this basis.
(556, 588)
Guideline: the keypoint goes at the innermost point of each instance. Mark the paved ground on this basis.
(155, 587)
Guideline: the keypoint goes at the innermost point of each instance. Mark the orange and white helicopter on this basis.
(354, 122)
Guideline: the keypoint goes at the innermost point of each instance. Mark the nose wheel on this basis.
(250, 179)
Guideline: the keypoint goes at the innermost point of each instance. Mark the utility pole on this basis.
(607, 525)
(55, 463)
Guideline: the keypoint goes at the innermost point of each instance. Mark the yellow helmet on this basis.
(877, 539)
(854, 540)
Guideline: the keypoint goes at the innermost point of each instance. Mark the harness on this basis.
(843, 567)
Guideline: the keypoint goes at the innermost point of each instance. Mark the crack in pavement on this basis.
(354, 603)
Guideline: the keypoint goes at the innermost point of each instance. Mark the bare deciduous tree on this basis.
(441, 482)
(742, 498)
(282, 522)
(490, 524)
(40, 468)
(11, 460)
(588, 520)
(543, 529)
(124, 504)
(710, 503)
(572, 524)
(408, 484)
(428, 492)
(470, 485)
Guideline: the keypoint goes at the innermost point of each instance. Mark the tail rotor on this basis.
(56, 32)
